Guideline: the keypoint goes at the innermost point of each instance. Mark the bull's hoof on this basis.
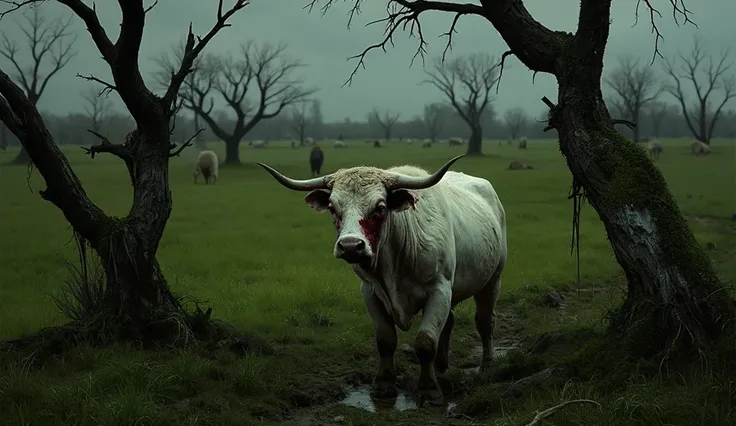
(431, 398)
(384, 389)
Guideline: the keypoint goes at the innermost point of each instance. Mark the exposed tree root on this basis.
(541, 415)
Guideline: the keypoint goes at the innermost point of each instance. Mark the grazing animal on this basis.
(427, 144)
(259, 144)
(340, 144)
(309, 141)
(417, 242)
(316, 159)
(523, 142)
(377, 144)
(207, 165)
(654, 149)
(518, 165)
(699, 148)
(455, 141)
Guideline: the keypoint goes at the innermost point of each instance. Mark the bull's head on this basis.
(360, 201)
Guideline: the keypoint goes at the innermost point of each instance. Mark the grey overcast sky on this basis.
(324, 43)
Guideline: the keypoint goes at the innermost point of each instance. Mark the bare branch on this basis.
(106, 146)
(386, 121)
(63, 187)
(193, 49)
(256, 85)
(537, 49)
(707, 74)
(107, 87)
(678, 9)
(541, 415)
(189, 142)
(466, 83)
(516, 120)
(634, 86)
(97, 107)
(49, 46)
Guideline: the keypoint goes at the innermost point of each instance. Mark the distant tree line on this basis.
(660, 119)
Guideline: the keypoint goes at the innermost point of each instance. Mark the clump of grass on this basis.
(82, 291)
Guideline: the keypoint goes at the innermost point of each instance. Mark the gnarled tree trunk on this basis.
(475, 143)
(232, 151)
(674, 295)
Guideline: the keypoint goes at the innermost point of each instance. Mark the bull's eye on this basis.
(380, 207)
(331, 208)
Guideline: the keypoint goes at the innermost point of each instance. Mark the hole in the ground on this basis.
(360, 397)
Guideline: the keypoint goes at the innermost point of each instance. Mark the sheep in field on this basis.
(340, 144)
(654, 149)
(207, 165)
(699, 148)
(522, 142)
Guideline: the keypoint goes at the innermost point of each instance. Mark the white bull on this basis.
(416, 242)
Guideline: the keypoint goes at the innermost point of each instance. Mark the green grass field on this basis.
(263, 261)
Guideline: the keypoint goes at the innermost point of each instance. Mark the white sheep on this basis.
(340, 144)
(523, 142)
(258, 144)
(699, 148)
(654, 149)
(207, 165)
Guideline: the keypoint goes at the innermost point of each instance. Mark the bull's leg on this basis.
(441, 362)
(434, 317)
(485, 317)
(384, 383)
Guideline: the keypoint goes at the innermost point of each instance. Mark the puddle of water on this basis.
(360, 397)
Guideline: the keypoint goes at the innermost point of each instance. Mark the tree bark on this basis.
(475, 143)
(232, 151)
(674, 295)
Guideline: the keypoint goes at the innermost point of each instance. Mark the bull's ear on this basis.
(399, 200)
(318, 199)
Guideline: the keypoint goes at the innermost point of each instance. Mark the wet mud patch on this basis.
(453, 383)
(360, 397)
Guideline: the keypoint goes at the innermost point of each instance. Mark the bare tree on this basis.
(299, 120)
(708, 75)
(474, 76)
(657, 112)
(97, 108)
(516, 121)
(135, 301)
(385, 121)
(435, 117)
(634, 86)
(49, 46)
(4, 136)
(672, 285)
(264, 72)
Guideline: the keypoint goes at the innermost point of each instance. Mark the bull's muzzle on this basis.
(352, 250)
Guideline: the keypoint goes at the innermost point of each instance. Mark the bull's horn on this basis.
(296, 185)
(415, 182)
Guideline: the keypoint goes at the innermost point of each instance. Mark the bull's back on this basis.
(478, 228)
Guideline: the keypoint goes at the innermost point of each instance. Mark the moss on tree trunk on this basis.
(675, 303)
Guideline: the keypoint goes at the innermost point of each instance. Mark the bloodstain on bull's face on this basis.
(371, 226)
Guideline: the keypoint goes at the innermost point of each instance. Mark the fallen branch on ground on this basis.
(541, 415)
